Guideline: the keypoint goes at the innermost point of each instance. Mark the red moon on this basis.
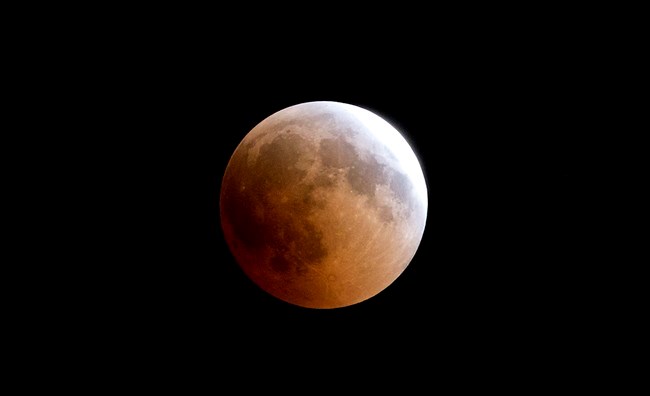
(323, 204)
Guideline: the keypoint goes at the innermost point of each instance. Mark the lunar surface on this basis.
(323, 204)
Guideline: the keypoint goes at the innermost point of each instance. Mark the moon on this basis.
(323, 204)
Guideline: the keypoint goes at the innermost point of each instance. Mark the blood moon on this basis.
(323, 204)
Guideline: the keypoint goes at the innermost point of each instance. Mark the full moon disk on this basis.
(323, 204)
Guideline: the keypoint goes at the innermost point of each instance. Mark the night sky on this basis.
(501, 124)
(498, 259)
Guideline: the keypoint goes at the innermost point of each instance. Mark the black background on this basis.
(502, 115)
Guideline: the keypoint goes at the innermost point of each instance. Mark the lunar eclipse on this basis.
(323, 204)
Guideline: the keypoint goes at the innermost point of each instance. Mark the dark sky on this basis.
(502, 124)
(498, 263)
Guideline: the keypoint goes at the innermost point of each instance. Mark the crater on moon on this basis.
(323, 204)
